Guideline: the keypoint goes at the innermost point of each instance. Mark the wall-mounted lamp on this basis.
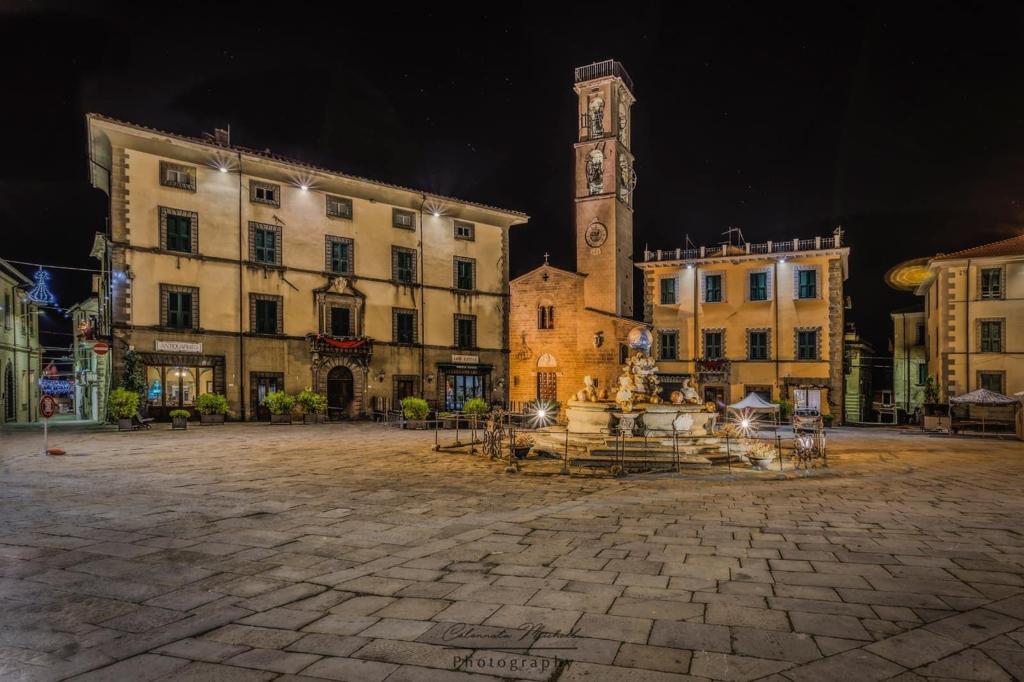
(430, 378)
(380, 375)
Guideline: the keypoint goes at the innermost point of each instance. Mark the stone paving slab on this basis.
(351, 551)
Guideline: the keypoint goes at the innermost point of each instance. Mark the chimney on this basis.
(222, 136)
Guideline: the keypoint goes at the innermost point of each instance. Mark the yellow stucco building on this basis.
(20, 352)
(765, 318)
(241, 272)
(974, 318)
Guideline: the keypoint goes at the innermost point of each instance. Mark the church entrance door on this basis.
(547, 386)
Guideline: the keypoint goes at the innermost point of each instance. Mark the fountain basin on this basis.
(587, 417)
(659, 418)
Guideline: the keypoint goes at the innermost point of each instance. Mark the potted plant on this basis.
(522, 445)
(415, 411)
(212, 407)
(761, 454)
(475, 408)
(123, 405)
(179, 419)
(280, 405)
(312, 405)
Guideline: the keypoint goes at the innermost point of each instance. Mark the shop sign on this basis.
(465, 359)
(179, 347)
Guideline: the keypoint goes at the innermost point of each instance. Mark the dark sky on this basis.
(900, 121)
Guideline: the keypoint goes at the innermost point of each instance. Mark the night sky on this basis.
(903, 123)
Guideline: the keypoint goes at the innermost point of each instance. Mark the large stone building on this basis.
(974, 318)
(566, 325)
(20, 352)
(765, 318)
(241, 272)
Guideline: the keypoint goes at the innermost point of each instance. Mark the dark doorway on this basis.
(716, 395)
(339, 391)
(262, 384)
(10, 397)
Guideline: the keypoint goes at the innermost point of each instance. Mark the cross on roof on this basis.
(546, 256)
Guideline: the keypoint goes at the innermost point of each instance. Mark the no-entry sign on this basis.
(100, 348)
(47, 406)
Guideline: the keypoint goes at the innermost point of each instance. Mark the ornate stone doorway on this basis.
(343, 381)
(340, 391)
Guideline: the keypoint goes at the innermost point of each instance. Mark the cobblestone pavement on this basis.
(352, 552)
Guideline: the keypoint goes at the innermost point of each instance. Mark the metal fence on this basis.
(504, 434)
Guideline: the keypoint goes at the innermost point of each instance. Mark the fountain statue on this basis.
(637, 406)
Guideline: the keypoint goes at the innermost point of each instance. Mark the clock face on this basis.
(596, 234)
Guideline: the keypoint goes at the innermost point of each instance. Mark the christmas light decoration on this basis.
(56, 386)
(40, 293)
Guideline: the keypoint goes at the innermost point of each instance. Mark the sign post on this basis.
(47, 408)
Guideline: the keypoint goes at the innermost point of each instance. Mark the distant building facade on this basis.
(20, 352)
(91, 370)
(974, 318)
(566, 325)
(762, 318)
(859, 384)
(239, 272)
(909, 359)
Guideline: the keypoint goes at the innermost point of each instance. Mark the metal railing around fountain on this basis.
(506, 435)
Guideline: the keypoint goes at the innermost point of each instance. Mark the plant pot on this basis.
(179, 423)
(211, 419)
(124, 424)
(521, 453)
(280, 419)
(310, 419)
(761, 464)
(415, 423)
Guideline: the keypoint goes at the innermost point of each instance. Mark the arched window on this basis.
(545, 315)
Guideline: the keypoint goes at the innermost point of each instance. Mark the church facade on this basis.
(565, 325)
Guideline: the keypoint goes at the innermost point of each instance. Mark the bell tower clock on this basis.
(605, 181)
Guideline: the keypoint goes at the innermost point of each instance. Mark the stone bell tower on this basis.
(605, 181)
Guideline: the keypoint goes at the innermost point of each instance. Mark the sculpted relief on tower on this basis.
(627, 181)
(595, 171)
(596, 116)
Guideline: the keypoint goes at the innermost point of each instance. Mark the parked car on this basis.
(807, 419)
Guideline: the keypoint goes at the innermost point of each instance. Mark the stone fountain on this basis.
(637, 408)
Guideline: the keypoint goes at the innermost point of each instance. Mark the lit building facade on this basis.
(857, 366)
(765, 318)
(974, 318)
(91, 370)
(909, 359)
(567, 325)
(20, 352)
(240, 272)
